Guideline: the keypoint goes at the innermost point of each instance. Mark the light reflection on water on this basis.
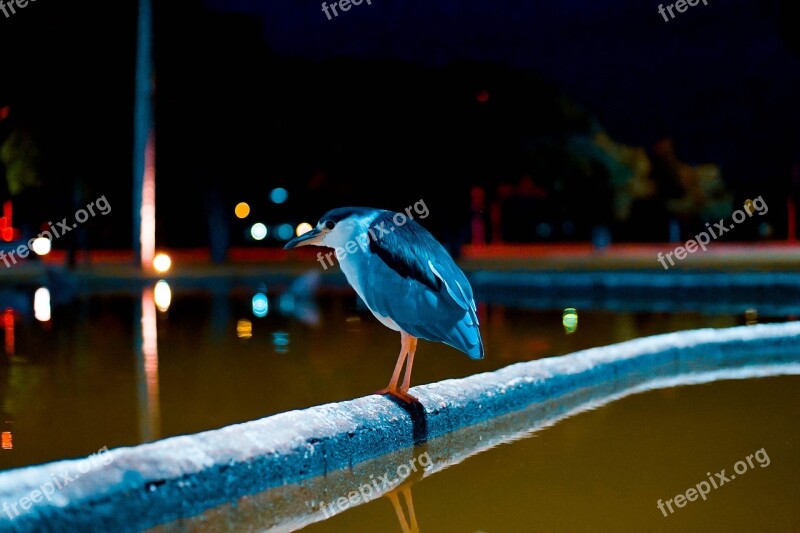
(121, 368)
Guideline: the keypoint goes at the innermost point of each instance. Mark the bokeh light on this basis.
(258, 231)
(303, 227)
(284, 232)
(162, 262)
(242, 209)
(162, 295)
(279, 195)
(260, 305)
(41, 304)
(280, 340)
(244, 329)
(570, 320)
(41, 246)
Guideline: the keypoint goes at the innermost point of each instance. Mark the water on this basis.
(109, 369)
(600, 470)
(86, 370)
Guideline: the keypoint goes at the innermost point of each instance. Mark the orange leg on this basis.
(408, 345)
(412, 349)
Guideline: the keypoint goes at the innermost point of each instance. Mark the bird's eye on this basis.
(330, 224)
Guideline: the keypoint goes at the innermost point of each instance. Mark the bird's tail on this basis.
(466, 336)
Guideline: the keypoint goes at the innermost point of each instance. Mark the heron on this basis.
(405, 277)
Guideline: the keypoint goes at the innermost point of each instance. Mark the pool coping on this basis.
(150, 484)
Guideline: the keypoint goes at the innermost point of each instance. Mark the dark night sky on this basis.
(724, 67)
(253, 93)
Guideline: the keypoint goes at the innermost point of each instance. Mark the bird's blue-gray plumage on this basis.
(408, 276)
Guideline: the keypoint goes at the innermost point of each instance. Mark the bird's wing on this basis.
(406, 249)
(411, 251)
(442, 306)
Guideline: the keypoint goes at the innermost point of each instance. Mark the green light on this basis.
(569, 319)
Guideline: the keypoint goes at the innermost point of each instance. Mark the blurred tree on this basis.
(20, 155)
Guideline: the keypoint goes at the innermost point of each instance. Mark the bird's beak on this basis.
(313, 237)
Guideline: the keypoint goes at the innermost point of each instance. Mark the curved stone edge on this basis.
(296, 505)
(182, 476)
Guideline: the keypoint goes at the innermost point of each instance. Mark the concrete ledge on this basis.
(297, 505)
(182, 476)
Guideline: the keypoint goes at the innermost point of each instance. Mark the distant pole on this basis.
(144, 207)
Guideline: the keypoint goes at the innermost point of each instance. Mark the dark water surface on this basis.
(112, 370)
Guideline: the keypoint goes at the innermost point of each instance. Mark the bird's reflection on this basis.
(408, 525)
(298, 301)
(407, 517)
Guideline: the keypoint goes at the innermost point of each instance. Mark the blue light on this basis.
(280, 340)
(285, 232)
(279, 195)
(260, 305)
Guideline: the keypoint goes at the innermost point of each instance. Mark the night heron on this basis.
(405, 277)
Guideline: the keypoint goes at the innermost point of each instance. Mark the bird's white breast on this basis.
(349, 265)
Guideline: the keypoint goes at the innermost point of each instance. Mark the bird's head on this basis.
(337, 227)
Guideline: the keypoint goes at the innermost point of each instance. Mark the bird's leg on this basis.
(406, 341)
(404, 348)
(412, 349)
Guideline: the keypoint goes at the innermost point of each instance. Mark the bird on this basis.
(405, 277)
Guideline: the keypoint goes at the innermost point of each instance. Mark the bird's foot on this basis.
(402, 396)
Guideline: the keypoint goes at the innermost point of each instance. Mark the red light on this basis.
(482, 96)
(8, 326)
(6, 229)
(4, 111)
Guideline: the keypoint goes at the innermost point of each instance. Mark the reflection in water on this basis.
(280, 340)
(407, 516)
(6, 418)
(220, 312)
(163, 296)
(299, 301)
(41, 304)
(73, 375)
(8, 328)
(298, 505)
(244, 328)
(147, 369)
(569, 319)
(407, 525)
(260, 305)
